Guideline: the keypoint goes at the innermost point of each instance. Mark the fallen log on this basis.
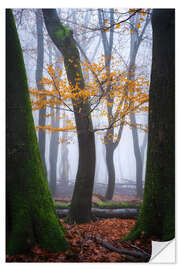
(111, 213)
(125, 213)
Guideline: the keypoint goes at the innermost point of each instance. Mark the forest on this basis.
(90, 133)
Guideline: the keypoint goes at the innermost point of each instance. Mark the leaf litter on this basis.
(87, 244)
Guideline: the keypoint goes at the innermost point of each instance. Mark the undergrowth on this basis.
(103, 205)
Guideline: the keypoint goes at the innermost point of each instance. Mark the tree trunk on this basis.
(39, 75)
(80, 211)
(157, 217)
(136, 39)
(64, 176)
(136, 145)
(107, 46)
(64, 169)
(143, 147)
(30, 214)
(144, 153)
(54, 141)
(138, 157)
(111, 170)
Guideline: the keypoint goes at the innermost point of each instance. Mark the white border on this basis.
(71, 4)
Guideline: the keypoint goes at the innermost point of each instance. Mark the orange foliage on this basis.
(124, 96)
(85, 247)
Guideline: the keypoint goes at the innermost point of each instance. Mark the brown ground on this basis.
(86, 247)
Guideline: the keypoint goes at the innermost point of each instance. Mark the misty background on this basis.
(85, 26)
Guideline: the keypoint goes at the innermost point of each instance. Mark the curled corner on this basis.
(163, 252)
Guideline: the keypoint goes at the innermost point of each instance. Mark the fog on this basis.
(81, 22)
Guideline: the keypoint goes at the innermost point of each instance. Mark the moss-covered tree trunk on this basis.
(30, 214)
(80, 211)
(157, 216)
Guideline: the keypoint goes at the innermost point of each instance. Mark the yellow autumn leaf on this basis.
(132, 10)
(118, 25)
(60, 72)
(132, 31)
(138, 25)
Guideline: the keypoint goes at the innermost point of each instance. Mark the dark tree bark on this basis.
(111, 171)
(80, 211)
(157, 217)
(30, 214)
(39, 75)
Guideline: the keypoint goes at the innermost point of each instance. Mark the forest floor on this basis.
(93, 242)
(98, 241)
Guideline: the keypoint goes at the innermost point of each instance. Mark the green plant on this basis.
(62, 205)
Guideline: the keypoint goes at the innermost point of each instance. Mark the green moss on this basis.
(102, 205)
(117, 205)
(31, 215)
(63, 32)
(60, 34)
(62, 205)
(67, 30)
(125, 204)
(157, 216)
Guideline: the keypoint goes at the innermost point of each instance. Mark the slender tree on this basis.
(30, 214)
(39, 75)
(62, 37)
(136, 39)
(64, 168)
(110, 145)
(54, 141)
(143, 148)
(157, 216)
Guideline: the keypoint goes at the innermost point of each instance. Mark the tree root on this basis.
(138, 254)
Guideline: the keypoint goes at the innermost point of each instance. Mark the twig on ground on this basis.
(122, 251)
(133, 246)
